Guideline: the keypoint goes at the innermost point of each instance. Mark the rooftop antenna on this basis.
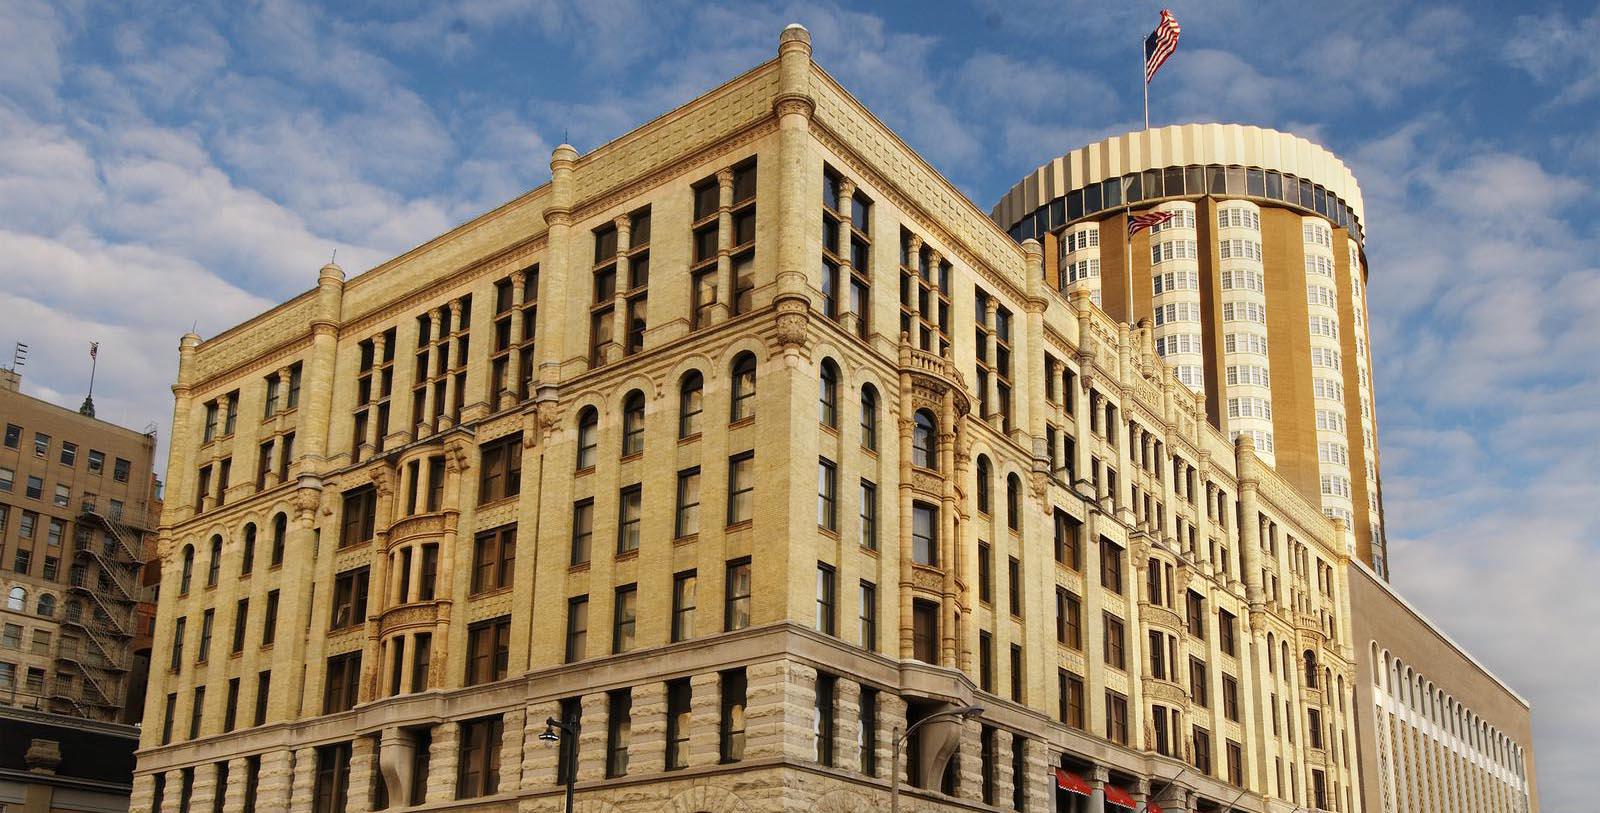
(334, 260)
(88, 400)
(19, 356)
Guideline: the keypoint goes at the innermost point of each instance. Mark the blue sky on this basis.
(177, 164)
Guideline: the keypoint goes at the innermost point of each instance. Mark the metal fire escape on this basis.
(104, 586)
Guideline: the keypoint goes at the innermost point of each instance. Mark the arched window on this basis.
(188, 569)
(214, 570)
(828, 394)
(1013, 502)
(47, 605)
(922, 441)
(744, 388)
(985, 485)
(869, 418)
(247, 553)
(1311, 669)
(588, 437)
(691, 403)
(280, 534)
(633, 423)
(17, 600)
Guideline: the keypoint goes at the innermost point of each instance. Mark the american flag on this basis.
(1160, 44)
(1138, 223)
(94, 349)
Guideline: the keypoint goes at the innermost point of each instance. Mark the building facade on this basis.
(417, 513)
(52, 763)
(77, 496)
(1256, 289)
(1437, 730)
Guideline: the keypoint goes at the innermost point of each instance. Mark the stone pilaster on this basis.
(1004, 780)
(172, 797)
(779, 703)
(275, 779)
(647, 751)
(233, 794)
(302, 780)
(142, 799)
(969, 782)
(363, 763)
(847, 724)
(443, 754)
(891, 721)
(539, 758)
(592, 739)
(203, 796)
(513, 724)
(1039, 791)
(705, 713)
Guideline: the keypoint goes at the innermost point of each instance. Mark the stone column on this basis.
(1004, 780)
(513, 391)
(794, 106)
(779, 703)
(369, 443)
(443, 754)
(934, 260)
(592, 739)
(172, 795)
(319, 372)
(991, 318)
(363, 763)
(726, 284)
(539, 758)
(303, 780)
(847, 191)
(450, 416)
(425, 422)
(619, 302)
(847, 724)
(203, 795)
(274, 779)
(1097, 789)
(513, 724)
(913, 261)
(705, 715)
(647, 751)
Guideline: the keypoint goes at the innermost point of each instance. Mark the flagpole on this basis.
(1145, 82)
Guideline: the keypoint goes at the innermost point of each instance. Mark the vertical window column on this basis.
(369, 442)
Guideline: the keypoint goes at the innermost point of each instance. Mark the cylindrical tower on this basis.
(1255, 288)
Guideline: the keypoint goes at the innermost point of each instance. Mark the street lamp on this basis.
(965, 713)
(549, 735)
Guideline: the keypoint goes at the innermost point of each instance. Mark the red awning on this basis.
(1069, 781)
(1154, 808)
(1118, 796)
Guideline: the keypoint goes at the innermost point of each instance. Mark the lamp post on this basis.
(900, 737)
(549, 735)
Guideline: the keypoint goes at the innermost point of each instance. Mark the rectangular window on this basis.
(827, 495)
(867, 732)
(869, 515)
(924, 534)
(985, 661)
(13, 436)
(925, 631)
(359, 515)
(985, 573)
(827, 599)
(687, 522)
(203, 651)
(1116, 718)
(178, 628)
(488, 650)
(343, 683)
(1014, 585)
(1110, 566)
(1227, 632)
(582, 530)
(1199, 683)
(167, 716)
(1018, 677)
(1196, 605)
(494, 559)
(269, 624)
(230, 717)
(730, 726)
(501, 475)
(263, 694)
(577, 628)
(1235, 764)
(478, 766)
(630, 509)
(349, 599)
(823, 718)
(1115, 652)
(1202, 750)
(678, 721)
(1070, 687)
(1230, 697)
(1069, 619)
(619, 731)
(741, 487)
(624, 618)
(241, 617)
(869, 616)
(736, 613)
(683, 604)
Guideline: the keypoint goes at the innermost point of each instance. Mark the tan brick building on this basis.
(741, 445)
(77, 500)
